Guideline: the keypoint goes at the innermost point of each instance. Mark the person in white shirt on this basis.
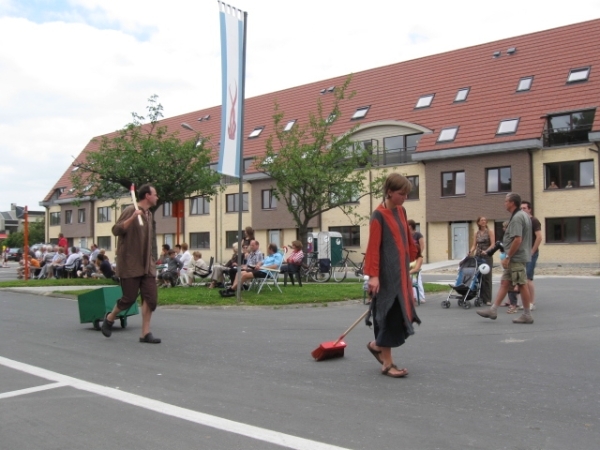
(186, 262)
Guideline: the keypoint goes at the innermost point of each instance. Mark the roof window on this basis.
(576, 75)
(524, 84)
(256, 132)
(448, 134)
(508, 126)
(462, 94)
(289, 125)
(424, 101)
(360, 112)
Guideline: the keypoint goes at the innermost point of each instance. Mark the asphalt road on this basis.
(237, 378)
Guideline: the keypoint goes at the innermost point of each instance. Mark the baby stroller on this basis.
(468, 283)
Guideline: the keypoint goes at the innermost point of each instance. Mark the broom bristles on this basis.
(327, 350)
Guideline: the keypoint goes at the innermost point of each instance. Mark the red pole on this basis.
(26, 245)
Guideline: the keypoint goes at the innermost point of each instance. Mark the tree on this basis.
(147, 153)
(36, 234)
(314, 170)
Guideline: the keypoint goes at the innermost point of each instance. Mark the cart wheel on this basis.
(123, 322)
(467, 305)
(96, 324)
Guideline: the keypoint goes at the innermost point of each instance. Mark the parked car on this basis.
(14, 254)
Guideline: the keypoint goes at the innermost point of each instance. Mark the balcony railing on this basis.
(565, 136)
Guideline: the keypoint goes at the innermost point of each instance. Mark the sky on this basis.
(71, 70)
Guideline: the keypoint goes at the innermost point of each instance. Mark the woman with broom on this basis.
(389, 253)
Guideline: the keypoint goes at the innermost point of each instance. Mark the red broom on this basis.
(329, 350)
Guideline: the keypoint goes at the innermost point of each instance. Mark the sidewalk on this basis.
(440, 265)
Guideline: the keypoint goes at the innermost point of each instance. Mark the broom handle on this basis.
(132, 191)
(351, 327)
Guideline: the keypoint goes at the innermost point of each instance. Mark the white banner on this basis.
(232, 73)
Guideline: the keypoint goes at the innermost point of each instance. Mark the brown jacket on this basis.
(134, 246)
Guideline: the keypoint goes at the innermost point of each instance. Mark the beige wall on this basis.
(438, 246)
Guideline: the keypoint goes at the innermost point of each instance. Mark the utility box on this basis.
(330, 246)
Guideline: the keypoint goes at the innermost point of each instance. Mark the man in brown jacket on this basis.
(135, 263)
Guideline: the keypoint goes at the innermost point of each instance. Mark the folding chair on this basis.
(202, 274)
(272, 276)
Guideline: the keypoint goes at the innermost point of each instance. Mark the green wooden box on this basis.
(95, 304)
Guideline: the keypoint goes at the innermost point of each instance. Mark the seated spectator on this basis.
(218, 270)
(87, 267)
(272, 261)
(104, 269)
(196, 268)
(70, 264)
(94, 253)
(58, 260)
(33, 265)
(293, 260)
(254, 256)
(186, 262)
(169, 275)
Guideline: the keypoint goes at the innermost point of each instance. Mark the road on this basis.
(244, 378)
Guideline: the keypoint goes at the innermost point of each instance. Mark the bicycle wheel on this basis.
(340, 272)
(318, 276)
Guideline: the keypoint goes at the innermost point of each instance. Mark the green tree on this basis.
(36, 235)
(147, 153)
(314, 170)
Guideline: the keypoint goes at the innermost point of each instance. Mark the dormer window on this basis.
(462, 95)
(289, 125)
(578, 75)
(524, 84)
(424, 101)
(448, 134)
(256, 132)
(508, 126)
(360, 112)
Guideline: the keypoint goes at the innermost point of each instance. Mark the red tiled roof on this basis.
(393, 91)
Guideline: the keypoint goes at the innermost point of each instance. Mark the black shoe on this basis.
(107, 326)
(149, 339)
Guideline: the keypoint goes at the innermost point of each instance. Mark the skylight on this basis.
(74, 169)
(361, 112)
(525, 84)
(331, 118)
(578, 75)
(425, 101)
(256, 132)
(289, 125)
(448, 134)
(508, 126)
(462, 94)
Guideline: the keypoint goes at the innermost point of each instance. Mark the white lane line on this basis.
(44, 387)
(261, 434)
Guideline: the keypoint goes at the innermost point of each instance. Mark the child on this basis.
(197, 267)
(170, 274)
(87, 268)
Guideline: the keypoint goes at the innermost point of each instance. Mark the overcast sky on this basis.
(71, 70)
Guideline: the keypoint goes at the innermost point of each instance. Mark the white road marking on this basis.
(44, 387)
(261, 434)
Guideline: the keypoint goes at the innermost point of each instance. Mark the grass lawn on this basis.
(309, 293)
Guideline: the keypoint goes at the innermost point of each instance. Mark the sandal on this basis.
(512, 309)
(401, 372)
(375, 353)
(150, 339)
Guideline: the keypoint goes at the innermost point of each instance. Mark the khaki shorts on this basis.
(515, 273)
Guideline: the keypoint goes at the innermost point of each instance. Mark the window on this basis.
(233, 202)
(453, 183)
(424, 101)
(361, 112)
(350, 235)
(498, 180)
(569, 174)
(331, 118)
(168, 209)
(399, 149)
(54, 218)
(524, 84)
(289, 125)
(169, 239)
(349, 193)
(81, 216)
(200, 240)
(462, 95)
(256, 132)
(199, 206)
(576, 75)
(69, 216)
(570, 128)
(414, 192)
(448, 134)
(508, 126)
(269, 201)
(364, 150)
(230, 238)
(103, 215)
(571, 229)
(104, 242)
(248, 162)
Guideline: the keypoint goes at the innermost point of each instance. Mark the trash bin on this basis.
(94, 305)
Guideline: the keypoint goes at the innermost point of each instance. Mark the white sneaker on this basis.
(532, 308)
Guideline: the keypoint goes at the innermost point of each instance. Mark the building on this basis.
(466, 126)
(13, 220)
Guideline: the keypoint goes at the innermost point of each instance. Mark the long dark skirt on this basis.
(486, 280)
(391, 333)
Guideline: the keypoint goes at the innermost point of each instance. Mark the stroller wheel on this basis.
(467, 305)
(477, 303)
(445, 304)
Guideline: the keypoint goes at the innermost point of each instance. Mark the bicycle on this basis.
(340, 271)
(312, 270)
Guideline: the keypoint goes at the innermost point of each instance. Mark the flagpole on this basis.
(241, 163)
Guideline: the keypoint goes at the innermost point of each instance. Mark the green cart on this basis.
(94, 305)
